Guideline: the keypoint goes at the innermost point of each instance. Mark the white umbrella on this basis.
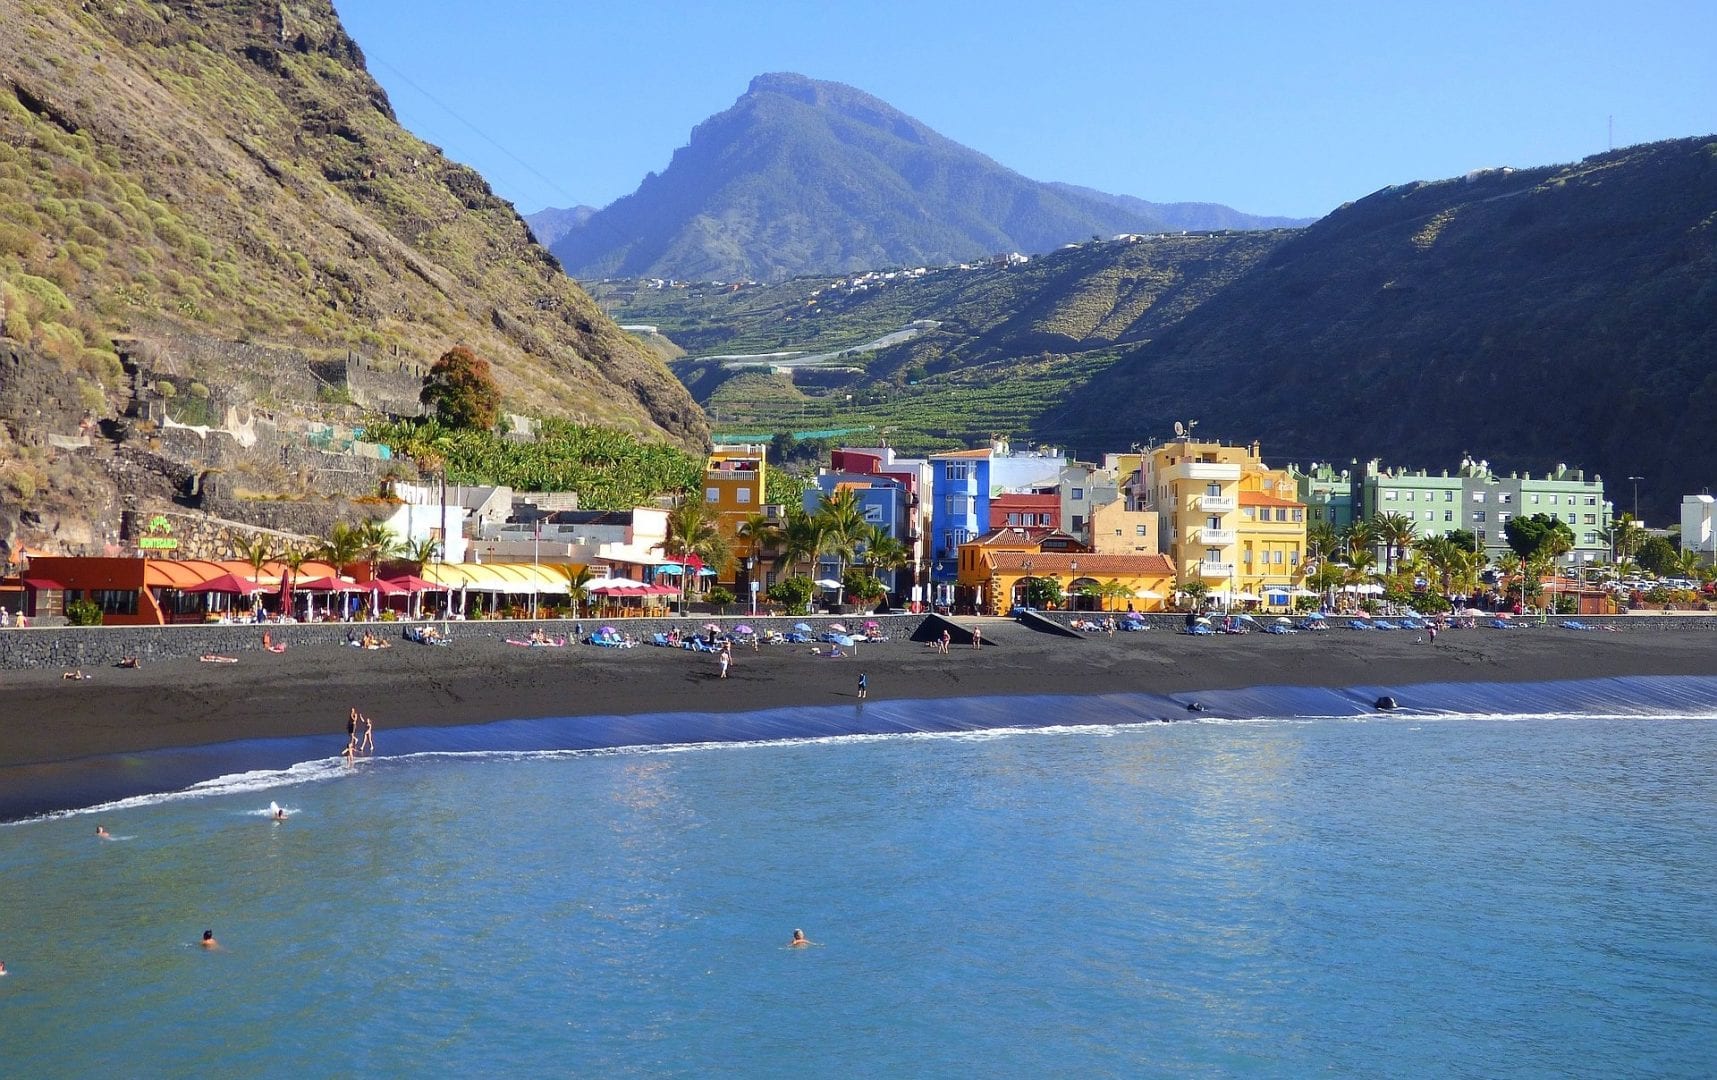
(1245, 596)
(827, 583)
(1147, 594)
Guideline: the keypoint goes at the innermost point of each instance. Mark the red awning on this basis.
(41, 583)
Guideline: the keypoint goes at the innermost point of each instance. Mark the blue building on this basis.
(884, 501)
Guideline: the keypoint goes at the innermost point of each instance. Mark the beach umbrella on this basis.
(1283, 620)
(227, 583)
(1244, 615)
(705, 572)
(411, 583)
(711, 626)
(839, 628)
(743, 629)
(841, 639)
(670, 568)
(1203, 619)
(827, 583)
(802, 627)
(330, 584)
(1147, 594)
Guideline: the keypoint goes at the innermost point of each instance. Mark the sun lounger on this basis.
(1385, 624)
(1500, 624)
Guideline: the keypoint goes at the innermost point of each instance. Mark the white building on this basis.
(1698, 527)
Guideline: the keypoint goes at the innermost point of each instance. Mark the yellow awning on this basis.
(500, 577)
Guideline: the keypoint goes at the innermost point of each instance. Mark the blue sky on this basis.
(1275, 108)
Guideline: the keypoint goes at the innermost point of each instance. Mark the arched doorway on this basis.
(1083, 595)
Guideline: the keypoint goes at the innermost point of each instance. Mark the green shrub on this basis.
(794, 593)
(50, 299)
(166, 389)
(83, 613)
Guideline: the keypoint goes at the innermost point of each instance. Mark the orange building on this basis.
(151, 592)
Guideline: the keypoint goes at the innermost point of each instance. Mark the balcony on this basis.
(1214, 569)
(1216, 504)
(1213, 537)
(1201, 470)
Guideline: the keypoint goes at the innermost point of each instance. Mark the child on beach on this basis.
(864, 686)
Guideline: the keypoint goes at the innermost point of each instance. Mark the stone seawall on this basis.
(1701, 621)
(102, 646)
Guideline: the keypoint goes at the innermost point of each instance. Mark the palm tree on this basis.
(1327, 577)
(844, 527)
(1361, 537)
(1323, 541)
(883, 552)
(343, 545)
(577, 591)
(377, 543)
(1624, 537)
(258, 551)
(293, 558)
(692, 531)
(801, 538)
(1396, 532)
(421, 552)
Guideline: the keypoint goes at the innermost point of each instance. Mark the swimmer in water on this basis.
(799, 941)
(102, 833)
(280, 813)
(209, 941)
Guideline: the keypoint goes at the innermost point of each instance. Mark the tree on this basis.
(1361, 539)
(1323, 542)
(420, 553)
(794, 593)
(1657, 554)
(762, 532)
(801, 538)
(1195, 590)
(1537, 536)
(1042, 592)
(461, 389)
(1624, 537)
(843, 527)
(861, 586)
(883, 552)
(692, 531)
(343, 545)
(1396, 533)
(377, 543)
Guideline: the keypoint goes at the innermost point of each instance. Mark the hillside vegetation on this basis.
(1007, 345)
(1534, 316)
(802, 176)
(229, 170)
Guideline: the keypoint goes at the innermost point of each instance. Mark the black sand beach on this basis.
(308, 690)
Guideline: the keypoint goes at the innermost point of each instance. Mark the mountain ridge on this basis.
(805, 176)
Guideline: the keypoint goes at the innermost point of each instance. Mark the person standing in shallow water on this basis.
(864, 685)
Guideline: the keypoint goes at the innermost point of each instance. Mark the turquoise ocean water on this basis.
(1454, 893)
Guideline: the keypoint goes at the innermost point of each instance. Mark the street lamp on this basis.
(1636, 480)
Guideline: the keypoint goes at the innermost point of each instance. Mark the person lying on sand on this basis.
(216, 658)
(128, 662)
(76, 674)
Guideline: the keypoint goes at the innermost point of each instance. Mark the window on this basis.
(1479, 535)
(1448, 515)
(1078, 522)
(1552, 500)
(1077, 494)
(1299, 515)
(1591, 539)
(956, 470)
(1591, 500)
(1276, 557)
(1246, 556)
(1013, 519)
(744, 496)
(1502, 517)
(1213, 556)
(1139, 530)
(1390, 495)
(115, 601)
(1504, 497)
(1535, 498)
(1478, 515)
(1248, 513)
(1591, 519)
(1449, 496)
(1478, 496)
(1213, 523)
(1213, 488)
(1281, 513)
(1431, 515)
(1294, 557)
(712, 495)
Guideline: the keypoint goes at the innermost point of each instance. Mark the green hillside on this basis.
(229, 171)
(1536, 316)
(997, 348)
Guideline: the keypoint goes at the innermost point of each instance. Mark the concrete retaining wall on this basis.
(101, 646)
(1700, 621)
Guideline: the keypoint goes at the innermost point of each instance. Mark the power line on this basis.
(572, 200)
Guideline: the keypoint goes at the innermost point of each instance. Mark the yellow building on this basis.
(994, 571)
(733, 483)
(1116, 530)
(1227, 519)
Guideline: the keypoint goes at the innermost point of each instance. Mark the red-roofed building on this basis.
(996, 570)
(1012, 509)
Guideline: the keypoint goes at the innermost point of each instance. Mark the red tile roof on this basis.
(1258, 498)
(984, 453)
(1089, 565)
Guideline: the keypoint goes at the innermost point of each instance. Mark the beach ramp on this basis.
(933, 625)
(1032, 620)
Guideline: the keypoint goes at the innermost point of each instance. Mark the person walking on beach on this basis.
(864, 685)
(1432, 630)
(725, 659)
(977, 637)
(947, 638)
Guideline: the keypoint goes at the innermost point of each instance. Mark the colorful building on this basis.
(1025, 510)
(995, 571)
(962, 485)
(1226, 518)
(734, 487)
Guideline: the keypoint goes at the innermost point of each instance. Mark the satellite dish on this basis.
(1179, 430)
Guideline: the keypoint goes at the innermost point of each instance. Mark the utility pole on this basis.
(1636, 480)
